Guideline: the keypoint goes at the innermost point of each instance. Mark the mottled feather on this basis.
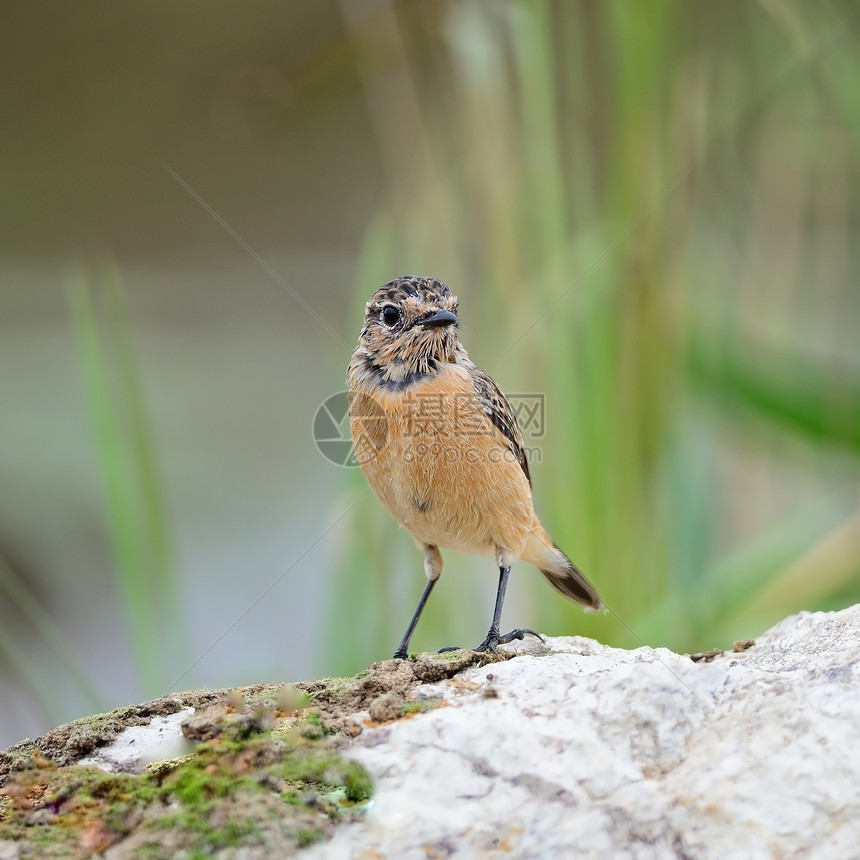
(498, 408)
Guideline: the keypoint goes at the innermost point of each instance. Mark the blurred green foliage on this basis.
(648, 213)
(136, 518)
(13, 589)
(134, 505)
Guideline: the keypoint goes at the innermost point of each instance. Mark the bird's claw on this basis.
(489, 644)
(494, 639)
(402, 655)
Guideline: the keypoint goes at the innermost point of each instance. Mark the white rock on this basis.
(137, 746)
(9, 850)
(591, 751)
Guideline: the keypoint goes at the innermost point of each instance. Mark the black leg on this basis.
(493, 638)
(401, 653)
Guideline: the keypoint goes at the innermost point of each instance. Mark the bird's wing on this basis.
(499, 411)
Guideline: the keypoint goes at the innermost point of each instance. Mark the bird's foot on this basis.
(402, 655)
(494, 639)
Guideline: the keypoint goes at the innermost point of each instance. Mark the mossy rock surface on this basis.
(277, 789)
(267, 774)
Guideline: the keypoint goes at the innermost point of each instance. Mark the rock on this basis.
(137, 746)
(583, 750)
(9, 851)
(568, 748)
(70, 743)
(388, 706)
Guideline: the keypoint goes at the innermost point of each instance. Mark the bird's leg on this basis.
(401, 653)
(432, 567)
(493, 638)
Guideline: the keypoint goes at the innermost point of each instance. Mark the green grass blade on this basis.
(136, 518)
(817, 400)
(61, 650)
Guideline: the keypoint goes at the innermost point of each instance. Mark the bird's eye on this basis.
(390, 315)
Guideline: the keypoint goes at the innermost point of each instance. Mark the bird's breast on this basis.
(439, 465)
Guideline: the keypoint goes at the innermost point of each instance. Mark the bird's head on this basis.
(410, 326)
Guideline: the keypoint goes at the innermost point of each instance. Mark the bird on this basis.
(441, 447)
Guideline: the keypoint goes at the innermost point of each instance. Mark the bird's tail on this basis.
(561, 573)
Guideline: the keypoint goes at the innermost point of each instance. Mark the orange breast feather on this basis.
(439, 465)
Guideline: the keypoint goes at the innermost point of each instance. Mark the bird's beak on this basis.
(440, 318)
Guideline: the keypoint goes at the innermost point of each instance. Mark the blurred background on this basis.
(650, 214)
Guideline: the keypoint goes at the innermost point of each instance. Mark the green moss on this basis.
(357, 783)
(421, 705)
(149, 851)
(313, 727)
(194, 787)
(450, 656)
(307, 836)
(227, 793)
(201, 836)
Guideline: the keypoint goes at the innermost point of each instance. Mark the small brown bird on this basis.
(440, 445)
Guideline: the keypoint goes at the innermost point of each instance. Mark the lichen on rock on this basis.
(256, 778)
(262, 769)
(568, 748)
